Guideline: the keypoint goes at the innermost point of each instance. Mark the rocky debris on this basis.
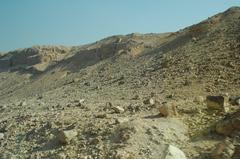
(1, 136)
(118, 109)
(236, 123)
(173, 152)
(121, 82)
(65, 136)
(146, 138)
(76, 80)
(87, 84)
(96, 140)
(101, 115)
(76, 103)
(121, 120)
(120, 154)
(149, 101)
(136, 97)
(109, 105)
(3, 107)
(168, 110)
(223, 150)
(123, 132)
(61, 156)
(199, 100)
(237, 152)
(98, 87)
(215, 102)
(224, 127)
(234, 100)
(79, 102)
(133, 108)
(173, 67)
(229, 124)
(22, 103)
(8, 155)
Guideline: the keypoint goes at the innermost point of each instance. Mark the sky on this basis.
(24, 23)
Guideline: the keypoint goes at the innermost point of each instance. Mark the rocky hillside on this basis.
(126, 96)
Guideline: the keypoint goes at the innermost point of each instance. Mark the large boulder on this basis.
(168, 110)
(215, 102)
(173, 152)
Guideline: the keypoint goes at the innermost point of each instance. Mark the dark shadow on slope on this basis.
(174, 44)
(51, 145)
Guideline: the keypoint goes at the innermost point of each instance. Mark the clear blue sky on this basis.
(24, 23)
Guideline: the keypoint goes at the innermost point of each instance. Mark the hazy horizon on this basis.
(60, 22)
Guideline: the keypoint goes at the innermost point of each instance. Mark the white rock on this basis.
(121, 120)
(174, 153)
(66, 136)
(81, 101)
(118, 109)
(150, 101)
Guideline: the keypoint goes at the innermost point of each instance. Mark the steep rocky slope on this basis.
(107, 94)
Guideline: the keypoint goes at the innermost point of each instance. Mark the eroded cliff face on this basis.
(32, 57)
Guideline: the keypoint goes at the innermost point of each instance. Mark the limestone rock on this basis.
(215, 102)
(121, 120)
(173, 152)
(65, 136)
(168, 110)
(223, 150)
(118, 109)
